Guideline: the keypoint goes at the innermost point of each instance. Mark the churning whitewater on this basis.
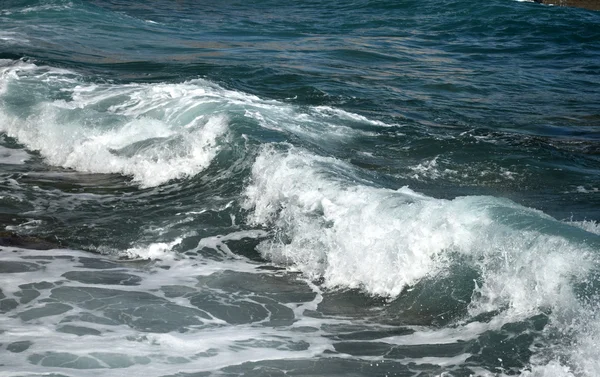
(372, 188)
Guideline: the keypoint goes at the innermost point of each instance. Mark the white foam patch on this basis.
(218, 242)
(587, 225)
(114, 349)
(430, 170)
(151, 132)
(12, 37)
(157, 250)
(333, 112)
(583, 190)
(40, 8)
(383, 240)
(584, 358)
(480, 173)
(143, 131)
(552, 369)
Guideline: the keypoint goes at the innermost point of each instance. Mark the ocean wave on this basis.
(355, 236)
(151, 133)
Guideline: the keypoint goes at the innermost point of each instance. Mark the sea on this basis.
(304, 188)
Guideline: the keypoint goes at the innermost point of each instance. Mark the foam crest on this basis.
(352, 235)
(383, 241)
(158, 250)
(333, 112)
(150, 133)
(587, 225)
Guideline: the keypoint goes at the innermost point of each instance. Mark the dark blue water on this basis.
(369, 188)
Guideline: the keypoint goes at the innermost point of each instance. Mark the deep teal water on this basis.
(314, 188)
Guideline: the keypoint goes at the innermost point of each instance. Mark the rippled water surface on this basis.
(340, 188)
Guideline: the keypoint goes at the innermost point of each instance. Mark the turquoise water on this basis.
(360, 188)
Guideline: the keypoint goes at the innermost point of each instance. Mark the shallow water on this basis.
(361, 188)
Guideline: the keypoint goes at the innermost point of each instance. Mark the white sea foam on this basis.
(144, 131)
(552, 369)
(478, 172)
(587, 225)
(112, 348)
(43, 8)
(218, 242)
(583, 190)
(158, 250)
(12, 37)
(382, 241)
(333, 112)
(151, 132)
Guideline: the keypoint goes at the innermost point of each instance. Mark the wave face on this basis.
(516, 261)
(325, 188)
(153, 133)
(330, 228)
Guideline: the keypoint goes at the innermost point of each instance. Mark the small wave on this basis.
(333, 112)
(356, 236)
(149, 132)
(327, 226)
(158, 250)
(587, 225)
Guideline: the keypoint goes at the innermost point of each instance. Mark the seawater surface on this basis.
(320, 188)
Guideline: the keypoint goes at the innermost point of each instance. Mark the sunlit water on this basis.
(362, 188)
